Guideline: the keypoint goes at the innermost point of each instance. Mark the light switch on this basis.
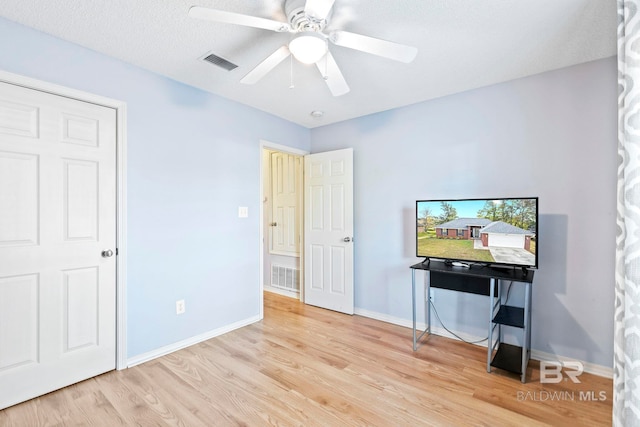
(243, 212)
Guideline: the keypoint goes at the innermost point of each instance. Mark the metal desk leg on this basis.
(413, 305)
(428, 291)
(526, 332)
(417, 337)
(491, 309)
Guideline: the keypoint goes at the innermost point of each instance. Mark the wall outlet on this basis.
(243, 212)
(180, 307)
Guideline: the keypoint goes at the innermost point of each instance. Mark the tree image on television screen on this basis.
(449, 213)
(520, 213)
(427, 219)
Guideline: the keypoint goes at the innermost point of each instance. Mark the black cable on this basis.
(452, 333)
(508, 292)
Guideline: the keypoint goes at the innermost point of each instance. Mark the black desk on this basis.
(483, 280)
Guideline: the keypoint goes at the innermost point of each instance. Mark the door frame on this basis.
(121, 189)
(267, 145)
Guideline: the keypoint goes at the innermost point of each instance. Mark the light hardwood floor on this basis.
(304, 366)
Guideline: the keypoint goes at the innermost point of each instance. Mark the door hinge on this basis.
(116, 251)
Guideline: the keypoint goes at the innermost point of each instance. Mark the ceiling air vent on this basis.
(220, 62)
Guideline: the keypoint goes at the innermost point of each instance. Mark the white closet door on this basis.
(57, 217)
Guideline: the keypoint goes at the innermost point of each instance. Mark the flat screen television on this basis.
(501, 232)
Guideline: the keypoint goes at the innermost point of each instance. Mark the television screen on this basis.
(485, 231)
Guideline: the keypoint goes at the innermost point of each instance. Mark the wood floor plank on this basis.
(234, 385)
(305, 366)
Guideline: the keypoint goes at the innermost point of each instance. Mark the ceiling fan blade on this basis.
(265, 66)
(319, 9)
(332, 75)
(386, 49)
(215, 15)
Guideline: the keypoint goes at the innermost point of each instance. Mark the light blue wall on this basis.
(193, 158)
(551, 135)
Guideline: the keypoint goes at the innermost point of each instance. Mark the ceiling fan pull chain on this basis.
(291, 85)
(326, 68)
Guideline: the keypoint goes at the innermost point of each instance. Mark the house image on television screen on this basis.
(502, 232)
(497, 234)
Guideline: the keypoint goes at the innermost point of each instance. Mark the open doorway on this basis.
(282, 220)
(319, 243)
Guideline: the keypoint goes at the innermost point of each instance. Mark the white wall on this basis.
(551, 135)
(193, 159)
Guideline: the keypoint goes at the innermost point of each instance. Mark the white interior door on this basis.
(328, 254)
(57, 216)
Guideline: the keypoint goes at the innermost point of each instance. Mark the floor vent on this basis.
(220, 62)
(285, 278)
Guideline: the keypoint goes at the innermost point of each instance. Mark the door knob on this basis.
(107, 253)
(347, 239)
(274, 224)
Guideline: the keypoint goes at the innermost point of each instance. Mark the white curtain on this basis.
(626, 364)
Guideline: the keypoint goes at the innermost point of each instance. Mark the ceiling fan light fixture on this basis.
(308, 47)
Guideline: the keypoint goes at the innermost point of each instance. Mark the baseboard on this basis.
(162, 351)
(591, 368)
(283, 292)
(436, 330)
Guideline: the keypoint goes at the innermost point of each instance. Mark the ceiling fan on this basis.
(309, 43)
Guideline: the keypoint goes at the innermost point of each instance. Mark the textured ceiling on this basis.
(462, 44)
